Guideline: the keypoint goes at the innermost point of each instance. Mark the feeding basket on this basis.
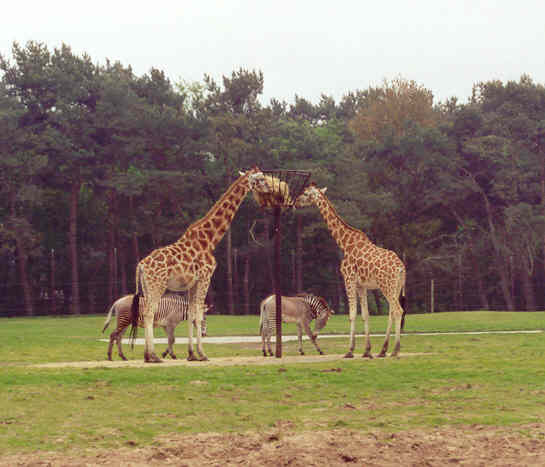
(286, 186)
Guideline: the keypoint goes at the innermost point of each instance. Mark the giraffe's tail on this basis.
(402, 303)
(134, 318)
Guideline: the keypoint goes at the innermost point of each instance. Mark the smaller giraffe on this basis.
(188, 264)
(364, 266)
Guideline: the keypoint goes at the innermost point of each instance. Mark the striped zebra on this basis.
(173, 308)
(301, 309)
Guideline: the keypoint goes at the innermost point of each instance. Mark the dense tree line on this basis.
(98, 166)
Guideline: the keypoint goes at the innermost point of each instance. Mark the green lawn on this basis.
(496, 379)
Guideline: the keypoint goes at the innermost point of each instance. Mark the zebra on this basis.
(173, 308)
(300, 309)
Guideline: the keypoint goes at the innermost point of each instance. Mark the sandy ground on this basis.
(217, 361)
(470, 446)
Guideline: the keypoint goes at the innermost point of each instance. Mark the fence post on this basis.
(432, 294)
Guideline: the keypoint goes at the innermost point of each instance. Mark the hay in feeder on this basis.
(278, 196)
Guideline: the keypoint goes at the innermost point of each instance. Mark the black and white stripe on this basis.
(318, 308)
(302, 310)
(173, 309)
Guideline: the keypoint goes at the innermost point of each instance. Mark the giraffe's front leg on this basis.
(190, 354)
(201, 289)
(365, 315)
(149, 313)
(198, 327)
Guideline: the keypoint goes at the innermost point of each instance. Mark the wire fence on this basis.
(423, 296)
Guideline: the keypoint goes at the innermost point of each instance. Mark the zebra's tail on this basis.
(134, 318)
(108, 318)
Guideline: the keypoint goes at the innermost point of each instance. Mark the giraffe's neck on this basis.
(340, 230)
(209, 230)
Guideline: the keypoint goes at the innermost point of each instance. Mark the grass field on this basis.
(485, 379)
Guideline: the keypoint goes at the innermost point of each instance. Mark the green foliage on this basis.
(455, 190)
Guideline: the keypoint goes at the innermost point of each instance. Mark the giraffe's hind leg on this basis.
(362, 292)
(394, 313)
(352, 310)
(149, 313)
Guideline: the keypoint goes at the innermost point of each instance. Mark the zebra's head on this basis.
(323, 312)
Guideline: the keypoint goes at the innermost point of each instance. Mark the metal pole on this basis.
(432, 296)
(277, 213)
(53, 297)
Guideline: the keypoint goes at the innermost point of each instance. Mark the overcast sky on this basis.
(303, 47)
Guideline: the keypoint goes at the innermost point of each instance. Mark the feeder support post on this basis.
(277, 291)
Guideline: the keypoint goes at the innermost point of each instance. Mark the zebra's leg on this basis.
(267, 332)
(262, 332)
(150, 310)
(362, 292)
(269, 335)
(350, 287)
(119, 337)
(300, 338)
(111, 344)
(169, 329)
(313, 337)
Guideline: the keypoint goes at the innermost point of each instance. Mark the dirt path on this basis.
(467, 446)
(217, 361)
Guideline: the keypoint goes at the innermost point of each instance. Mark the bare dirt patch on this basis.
(468, 446)
(219, 361)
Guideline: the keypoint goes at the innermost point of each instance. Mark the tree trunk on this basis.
(22, 258)
(22, 261)
(479, 279)
(293, 272)
(73, 247)
(527, 284)
(341, 290)
(246, 284)
(123, 269)
(236, 278)
(111, 242)
(543, 211)
(135, 244)
(112, 251)
(52, 285)
(269, 247)
(499, 257)
(459, 283)
(299, 255)
(229, 278)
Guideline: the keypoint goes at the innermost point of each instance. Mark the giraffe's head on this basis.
(257, 181)
(310, 196)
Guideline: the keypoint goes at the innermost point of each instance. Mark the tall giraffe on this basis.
(188, 263)
(364, 266)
